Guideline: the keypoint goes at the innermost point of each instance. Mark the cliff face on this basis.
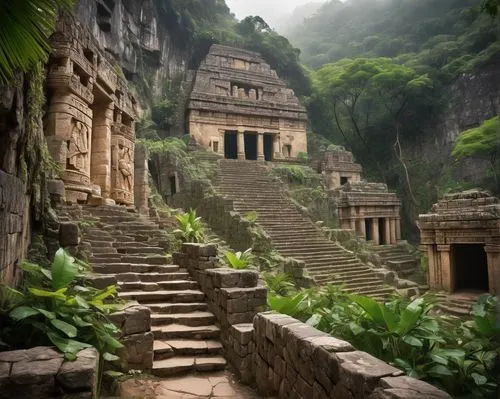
(472, 99)
(144, 37)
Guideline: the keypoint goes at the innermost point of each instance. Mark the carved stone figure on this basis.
(125, 168)
(78, 147)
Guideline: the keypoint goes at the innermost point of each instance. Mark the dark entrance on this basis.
(470, 265)
(251, 146)
(230, 145)
(268, 147)
(381, 231)
(173, 184)
(368, 229)
(343, 180)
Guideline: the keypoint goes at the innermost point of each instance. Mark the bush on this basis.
(55, 307)
(239, 260)
(191, 228)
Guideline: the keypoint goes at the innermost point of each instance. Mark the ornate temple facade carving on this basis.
(89, 125)
(369, 209)
(241, 109)
(461, 238)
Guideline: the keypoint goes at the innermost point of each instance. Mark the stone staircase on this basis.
(458, 304)
(126, 249)
(250, 186)
(397, 259)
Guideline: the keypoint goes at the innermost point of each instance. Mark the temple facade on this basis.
(461, 237)
(241, 109)
(89, 126)
(369, 209)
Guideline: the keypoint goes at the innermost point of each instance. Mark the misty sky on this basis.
(268, 9)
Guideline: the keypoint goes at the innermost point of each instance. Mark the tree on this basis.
(491, 7)
(482, 142)
(25, 28)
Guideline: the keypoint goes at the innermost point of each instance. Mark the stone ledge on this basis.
(41, 372)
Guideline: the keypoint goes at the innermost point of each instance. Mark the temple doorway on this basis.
(268, 147)
(470, 266)
(230, 145)
(251, 146)
(369, 229)
(381, 231)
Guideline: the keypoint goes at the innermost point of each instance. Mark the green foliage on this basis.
(455, 355)
(239, 260)
(55, 307)
(491, 7)
(26, 27)
(191, 228)
(251, 217)
(279, 284)
(291, 173)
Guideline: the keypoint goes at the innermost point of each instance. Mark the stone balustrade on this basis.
(41, 372)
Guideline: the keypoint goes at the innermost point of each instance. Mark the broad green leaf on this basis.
(314, 320)
(479, 379)
(80, 322)
(70, 356)
(82, 302)
(22, 312)
(371, 307)
(440, 370)
(64, 269)
(410, 340)
(66, 328)
(109, 357)
(48, 294)
(409, 319)
(114, 374)
(67, 345)
(47, 314)
(286, 305)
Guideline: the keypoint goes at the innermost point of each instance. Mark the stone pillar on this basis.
(493, 254)
(362, 228)
(101, 142)
(375, 235)
(388, 231)
(394, 231)
(445, 270)
(276, 146)
(398, 229)
(433, 274)
(260, 146)
(141, 179)
(241, 144)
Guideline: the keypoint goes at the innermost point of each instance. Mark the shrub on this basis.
(191, 227)
(55, 307)
(239, 260)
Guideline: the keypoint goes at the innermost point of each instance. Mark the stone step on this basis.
(324, 268)
(164, 295)
(319, 249)
(104, 250)
(141, 250)
(180, 331)
(159, 285)
(152, 277)
(116, 268)
(184, 364)
(193, 319)
(182, 347)
(170, 308)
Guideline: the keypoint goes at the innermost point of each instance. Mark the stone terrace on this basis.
(251, 188)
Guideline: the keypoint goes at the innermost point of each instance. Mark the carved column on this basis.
(276, 146)
(241, 144)
(375, 234)
(446, 268)
(387, 231)
(394, 231)
(362, 227)
(493, 254)
(260, 146)
(101, 155)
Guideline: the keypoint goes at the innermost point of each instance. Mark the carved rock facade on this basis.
(241, 109)
(89, 125)
(461, 237)
(369, 209)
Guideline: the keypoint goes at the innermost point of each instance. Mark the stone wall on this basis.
(41, 372)
(233, 296)
(294, 360)
(141, 179)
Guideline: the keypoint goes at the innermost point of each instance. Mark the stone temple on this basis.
(89, 126)
(241, 109)
(461, 237)
(368, 209)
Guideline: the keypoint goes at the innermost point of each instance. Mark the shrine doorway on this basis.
(470, 267)
(230, 145)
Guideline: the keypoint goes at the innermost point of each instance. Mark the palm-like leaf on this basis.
(25, 28)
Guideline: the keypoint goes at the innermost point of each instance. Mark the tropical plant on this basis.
(239, 260)
(191, 228)
(55, 307)
(251, 217)
(26, 27)
(279, 283)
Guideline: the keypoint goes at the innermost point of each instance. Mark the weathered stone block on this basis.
(80, 374)
(405, 387)
(69, 234)
(243, 333)
(41, 372)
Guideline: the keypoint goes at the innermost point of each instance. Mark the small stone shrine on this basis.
(461, 237)
(89, 125)
(241, 109)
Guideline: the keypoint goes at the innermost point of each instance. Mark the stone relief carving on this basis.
(125, 168)
(78, 147)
